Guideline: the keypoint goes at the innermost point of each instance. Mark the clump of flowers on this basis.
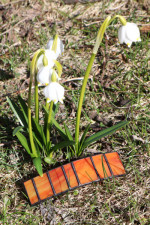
(46, 71)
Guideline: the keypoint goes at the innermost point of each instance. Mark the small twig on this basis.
(76, 78)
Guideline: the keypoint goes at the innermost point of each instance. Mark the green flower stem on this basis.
(121, 18)
(46, 116)
(101, 32)
(47, 104)
(48, 122)
(36, 100)
(29, 117)
(99, 38)
(81, 101)
(32, 73)
(41, 51)
(95, 49)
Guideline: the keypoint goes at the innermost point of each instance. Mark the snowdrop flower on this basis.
(44, 75)
(129, 33)
(60, 46)
(54, 91)
(50, 55)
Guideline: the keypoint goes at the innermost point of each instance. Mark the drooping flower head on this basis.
(129, 33)
(59, 45)
(54, 91)
(50, 56)
(44, 75)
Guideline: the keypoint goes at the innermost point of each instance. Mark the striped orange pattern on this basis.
(85, 170)
(101, 166)
(72, 175)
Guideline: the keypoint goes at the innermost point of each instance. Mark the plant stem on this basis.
(99, 38)
(48, 122)
(46, 116)
(81, 101)
(29, 118)
(32, 73)
(36, 100)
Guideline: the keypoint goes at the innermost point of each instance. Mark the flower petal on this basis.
(60, 46)
(51, 55)
(55, 92)
(129, 33)
(44, 75)
(121, 34)
(132, 32)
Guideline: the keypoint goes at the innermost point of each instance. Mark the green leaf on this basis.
(59, 67)
(103, 133)
(38, 141)
(16, 130)
(38, 130)
(62, 144)
(24, 107)
(38, 165)
(68, 133)
(83, 138)
(24, 142)
(58, 127)
(18, 113)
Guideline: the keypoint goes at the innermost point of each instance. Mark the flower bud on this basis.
(45, 60)
(54, 77)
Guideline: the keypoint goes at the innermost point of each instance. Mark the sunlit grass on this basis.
(122, 93)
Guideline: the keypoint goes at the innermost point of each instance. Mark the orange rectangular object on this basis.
(72, 175)
(101, 166)
(58, 180)
(86, 172)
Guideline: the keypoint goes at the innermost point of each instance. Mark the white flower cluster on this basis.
(46, 73)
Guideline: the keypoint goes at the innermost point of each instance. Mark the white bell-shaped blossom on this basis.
(54, 92)
(50, 55)
(44, 75)
(60, 46)
(129, 33)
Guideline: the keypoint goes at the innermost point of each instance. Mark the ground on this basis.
(119, 89)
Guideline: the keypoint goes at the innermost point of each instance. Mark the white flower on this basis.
(129, 33)
(44, 75)
(60, 46)
(50, 55)
(54, 92)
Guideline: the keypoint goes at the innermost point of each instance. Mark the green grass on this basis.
(120, 89)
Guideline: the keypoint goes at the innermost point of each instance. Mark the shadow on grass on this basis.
(5, 75)
(6, 130)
